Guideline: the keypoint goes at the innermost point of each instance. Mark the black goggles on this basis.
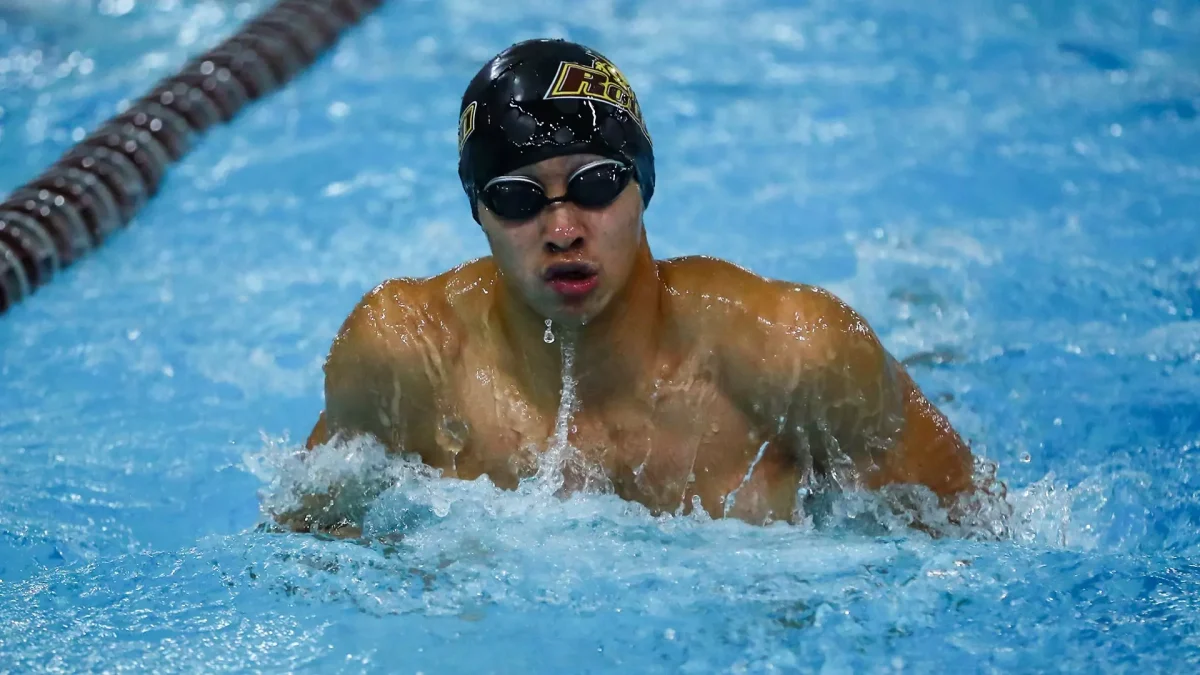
(593, 186)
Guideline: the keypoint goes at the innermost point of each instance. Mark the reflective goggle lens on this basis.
(593, 186)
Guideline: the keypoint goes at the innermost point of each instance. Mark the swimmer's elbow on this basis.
(898, 435)
(928, 452)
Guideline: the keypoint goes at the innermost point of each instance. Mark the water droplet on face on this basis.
(548, 336)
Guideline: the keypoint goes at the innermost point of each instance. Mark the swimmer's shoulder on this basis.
(406, 313)
(705, 288)
(467, 288)
(707, 285)
(710, 295)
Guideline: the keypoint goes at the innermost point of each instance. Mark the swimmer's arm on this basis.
(319, 434)
(376, 384)
(377, 375)
(925, 451)
(305, 518)
(861, 404)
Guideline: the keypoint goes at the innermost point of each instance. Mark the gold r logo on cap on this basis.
(599, 82)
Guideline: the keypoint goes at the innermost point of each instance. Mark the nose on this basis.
(563, 230)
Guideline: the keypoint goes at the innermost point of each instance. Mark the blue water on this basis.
(1010, 193)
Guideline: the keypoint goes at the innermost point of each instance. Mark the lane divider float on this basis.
(100, 184)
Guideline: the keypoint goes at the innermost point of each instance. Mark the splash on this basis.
(984, 513)
(394, 496)
(333, 483)
(552, 462)
(357, 482)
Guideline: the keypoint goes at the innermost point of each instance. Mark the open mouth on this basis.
(569, 272)
(571, 279)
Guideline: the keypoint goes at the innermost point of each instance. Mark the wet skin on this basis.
(696, 379)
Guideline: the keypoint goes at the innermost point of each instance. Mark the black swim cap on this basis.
(546, 98)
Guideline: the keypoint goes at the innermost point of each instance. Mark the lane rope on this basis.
(97, 187)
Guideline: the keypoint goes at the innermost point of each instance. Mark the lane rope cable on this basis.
(100, 183)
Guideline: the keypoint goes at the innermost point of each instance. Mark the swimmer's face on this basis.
(567, 262)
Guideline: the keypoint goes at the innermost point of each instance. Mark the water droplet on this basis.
(452, 435)
(1025, 458)
(548, 336)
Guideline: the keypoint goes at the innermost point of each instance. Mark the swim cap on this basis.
(546, 98)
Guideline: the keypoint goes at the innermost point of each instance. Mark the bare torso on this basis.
(724, 413)
(663, 443)
(664, 440)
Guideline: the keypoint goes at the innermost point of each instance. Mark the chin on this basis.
(575, 314)
(571, 315)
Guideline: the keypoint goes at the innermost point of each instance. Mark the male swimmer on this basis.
(694, 379)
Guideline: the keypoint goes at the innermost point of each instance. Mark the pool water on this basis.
(1009, 192)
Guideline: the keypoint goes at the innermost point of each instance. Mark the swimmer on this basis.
(697, 383)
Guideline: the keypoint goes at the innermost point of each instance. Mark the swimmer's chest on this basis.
(681, 439)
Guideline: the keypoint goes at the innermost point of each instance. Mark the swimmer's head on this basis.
(558, 166)
(549, 98)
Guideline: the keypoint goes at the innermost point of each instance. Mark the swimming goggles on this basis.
(593, 186)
